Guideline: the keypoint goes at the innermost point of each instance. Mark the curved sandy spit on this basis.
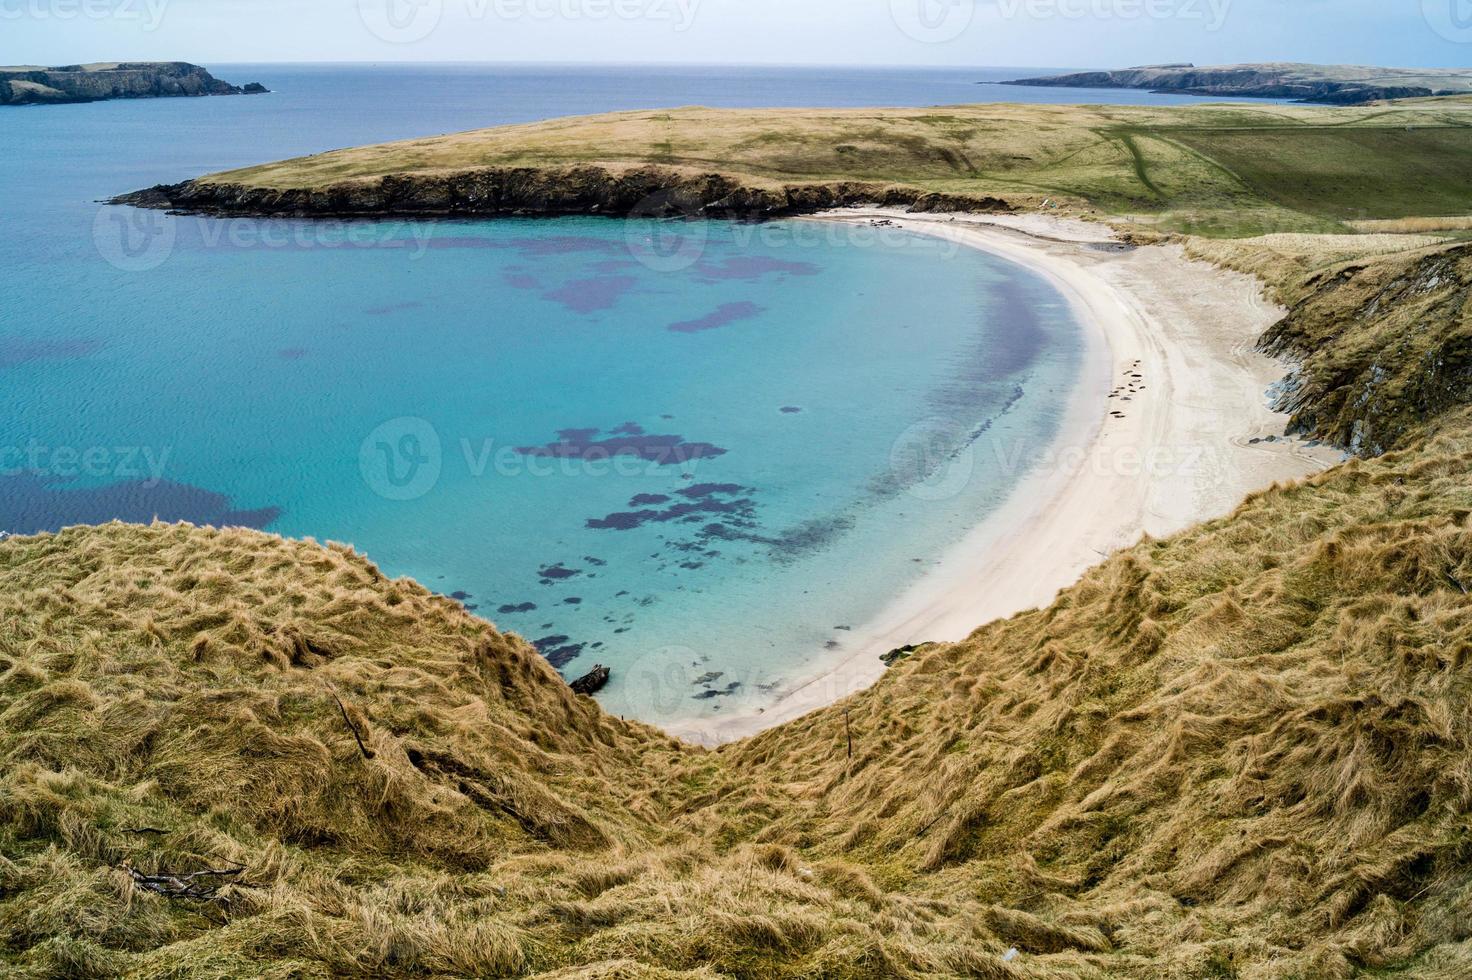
(1183, 452)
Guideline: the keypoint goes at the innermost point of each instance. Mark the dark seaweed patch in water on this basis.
(521, 280)
(520, 607)
(30, 504)
(751, 268)
(661, 450)
(629, 429)
(723, 315)
(713, 693)
(292, 353)
(646, 499)
(556, 573)
(700, 491)
(790, 410)
(736, 510)
(460, 596)
(558, 650)
(15, 351)
(572, 600)
(700, 500)
(595, 562)
(787, 546)
(593, 294)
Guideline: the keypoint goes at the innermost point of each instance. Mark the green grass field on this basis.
(1214, 169)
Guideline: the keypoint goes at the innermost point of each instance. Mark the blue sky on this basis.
(1084, 33)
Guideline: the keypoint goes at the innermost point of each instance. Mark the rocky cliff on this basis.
(120, 80)
(1336, 85)
(640, 192)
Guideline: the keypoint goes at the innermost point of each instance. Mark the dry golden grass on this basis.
(1245, 751)
(1413, 226)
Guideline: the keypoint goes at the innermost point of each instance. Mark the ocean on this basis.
(702, 454)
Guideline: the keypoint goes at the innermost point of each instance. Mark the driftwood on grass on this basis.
(196, 886)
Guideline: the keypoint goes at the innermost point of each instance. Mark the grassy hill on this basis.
(1222, 170)
(1239, 752)
(30, 85)
(1332, 84)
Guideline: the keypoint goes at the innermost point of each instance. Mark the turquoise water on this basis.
(678, 449)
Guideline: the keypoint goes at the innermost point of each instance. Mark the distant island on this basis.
(31, 85)
(1329, 84)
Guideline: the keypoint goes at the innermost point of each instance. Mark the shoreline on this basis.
(1192, 443)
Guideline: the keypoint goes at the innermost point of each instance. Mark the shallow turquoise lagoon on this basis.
(702, 454)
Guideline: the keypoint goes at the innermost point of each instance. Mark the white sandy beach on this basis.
(1189, 447)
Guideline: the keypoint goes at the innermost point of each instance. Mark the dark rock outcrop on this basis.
(1337, 85)
(592, 682)
(1382, 348)
(123, 80)
(903, 653)
(652, 192)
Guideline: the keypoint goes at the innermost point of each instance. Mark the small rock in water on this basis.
(592, 682)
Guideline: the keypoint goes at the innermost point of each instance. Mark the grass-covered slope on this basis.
(1244, 751)
(1208, 169)
(1239, 752)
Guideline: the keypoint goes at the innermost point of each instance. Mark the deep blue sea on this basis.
(698, 453)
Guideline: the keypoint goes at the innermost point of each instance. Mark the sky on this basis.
(1062, 33)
